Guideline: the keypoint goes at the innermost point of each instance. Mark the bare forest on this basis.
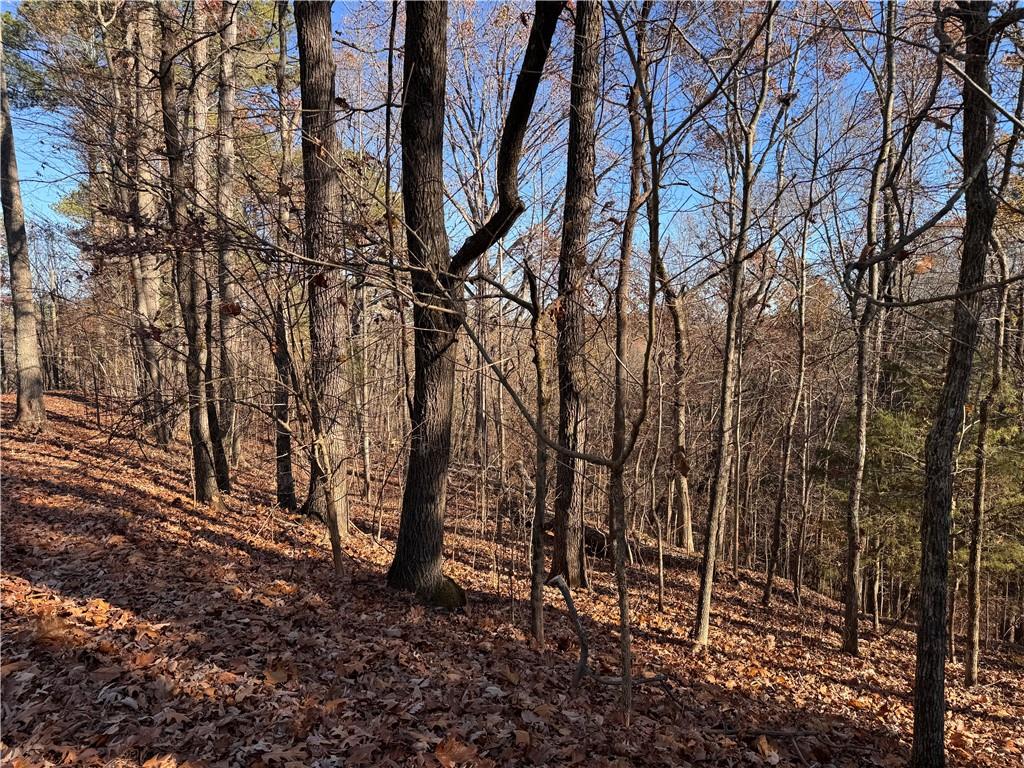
(488, 383)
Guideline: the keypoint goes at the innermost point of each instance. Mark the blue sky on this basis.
(46, 174)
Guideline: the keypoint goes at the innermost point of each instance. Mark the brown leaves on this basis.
(140, 630)
(230, 308)
(452, 752)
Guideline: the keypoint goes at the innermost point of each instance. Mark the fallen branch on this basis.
(582, 668)
(581, 665)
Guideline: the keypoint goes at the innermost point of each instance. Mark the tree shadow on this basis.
(140, 625)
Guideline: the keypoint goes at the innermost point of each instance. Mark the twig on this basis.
(796, 746)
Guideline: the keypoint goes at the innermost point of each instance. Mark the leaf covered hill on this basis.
(139, 629)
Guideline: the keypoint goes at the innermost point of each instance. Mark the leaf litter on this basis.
(140, 630)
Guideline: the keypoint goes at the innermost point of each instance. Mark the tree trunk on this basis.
(437, 280)
(285, 481)
(186, 267)
(327, 496)
(202, 191)
(417, 563)
(229, 309)
(727, 391)
(31, 411)
(864, 324)
(798, 392)
(284, 373)
(979, 215)
(568, 557)
(144, 214)
(620, 448)
(540, 473)
(980, 484)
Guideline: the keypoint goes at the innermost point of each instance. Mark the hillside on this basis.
(141, 630)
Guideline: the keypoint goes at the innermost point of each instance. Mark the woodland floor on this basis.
(139, 630)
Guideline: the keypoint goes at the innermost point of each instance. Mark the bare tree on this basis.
(979, 217)
(229, 310)
(738, 256)
(143, 216)
(328, 491)
(568, 558)
(437, 279)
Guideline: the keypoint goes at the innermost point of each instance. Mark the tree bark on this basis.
(979, 216)
(226, 281)
(284, 373)
(327, 496)
(568, 557)
(31, 411)
(540, 471)
(437, 281)
(202, 192)
(417, 562)
(144, 214)
(186, 267)
(980, 487)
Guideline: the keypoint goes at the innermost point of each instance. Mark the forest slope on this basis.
(140, 630)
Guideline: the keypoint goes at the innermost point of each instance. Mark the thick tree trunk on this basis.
(417, 563)
(568, 557)
(437, 280)
(327, 496)
(187, 270)
(31, 412)
(979, 215)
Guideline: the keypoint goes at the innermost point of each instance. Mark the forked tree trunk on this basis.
(31, 412)
(568, 557)
(437, 279)
(979, 216)
(681, 533)
(201, 193)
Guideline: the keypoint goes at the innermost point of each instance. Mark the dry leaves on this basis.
(139, 631)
